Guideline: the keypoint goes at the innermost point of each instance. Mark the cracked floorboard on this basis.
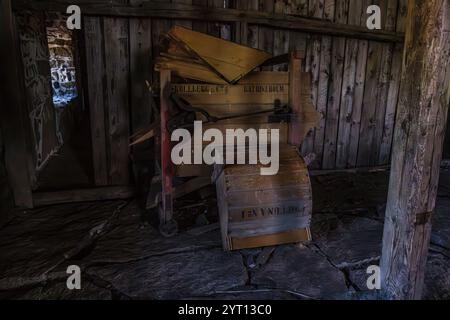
(123, 257)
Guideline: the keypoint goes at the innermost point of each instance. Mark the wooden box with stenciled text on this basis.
(258, 211)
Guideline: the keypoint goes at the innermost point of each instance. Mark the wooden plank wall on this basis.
(354, 82)
(37, 89)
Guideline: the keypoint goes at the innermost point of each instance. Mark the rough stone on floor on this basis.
(300, 270)
(37, 241)
(353, 240)
(437, 278)
(132, 239)
(59, 291)
(176, 276)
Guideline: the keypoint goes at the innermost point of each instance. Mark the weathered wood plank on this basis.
(214, 28)
(417, 149)
(312, 65)
(295, 97)
(93, 39)
(370, 103)
(253, 30)
(184, 23)
(116, 37)
(322, 90)
(187, 12)
(41, 199)
(394, 86)
(38, 90)
(241, 28)
(266, 35)
(389, 11)
(280, 37)
(360, 79)
(141, 71)
(356, 10)
(334, 90)
(159, 28)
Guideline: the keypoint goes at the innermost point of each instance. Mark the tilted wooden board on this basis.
(231, 60)
(188, 70)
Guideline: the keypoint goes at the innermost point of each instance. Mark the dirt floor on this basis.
(122, 256)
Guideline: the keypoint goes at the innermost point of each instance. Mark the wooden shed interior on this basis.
(73, 190)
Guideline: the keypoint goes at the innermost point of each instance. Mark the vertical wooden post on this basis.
(295, 95)
(166, 162)
(417, 149)
(12, 115)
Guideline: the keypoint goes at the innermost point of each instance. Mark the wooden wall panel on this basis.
(394, 85)
(334, 90)
(95, 73)
(266, 35)
(116, 37)
(354, 82)
(360, 76)
(349, 88)
(38, 90)
(253, 31)
(140, 72)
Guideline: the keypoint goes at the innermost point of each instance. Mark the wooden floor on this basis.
(126, 258)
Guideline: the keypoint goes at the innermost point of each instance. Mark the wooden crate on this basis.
(258, 211)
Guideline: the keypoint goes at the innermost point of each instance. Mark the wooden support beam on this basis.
(163, 10)
(12, 115)
(41, 199)
(417, 149)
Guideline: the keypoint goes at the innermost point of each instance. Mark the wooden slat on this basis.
(334, 90)
(189, 70)
(322, 91)
(267, 226)
(241, 28)
(184, 23)
(116, 37)
(417, 150)
(94, 78)
(214, 27)
(313, 55)
(178, 11)
(41, 199)
(140, 72)
(159, 27)
(394, 86)
(258, 94)
(254, 197)
(38, 89)
(349, 87)
(230, 60)
(13, 113)
(266, 35)
(389, 11)
(253, 30)
(200, 25)
(360, 79)
(268, 240)
(280, 37)
(370, 103)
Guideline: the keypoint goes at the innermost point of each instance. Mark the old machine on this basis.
(220, 83)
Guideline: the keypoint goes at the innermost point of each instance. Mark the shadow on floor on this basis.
(123, 257)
